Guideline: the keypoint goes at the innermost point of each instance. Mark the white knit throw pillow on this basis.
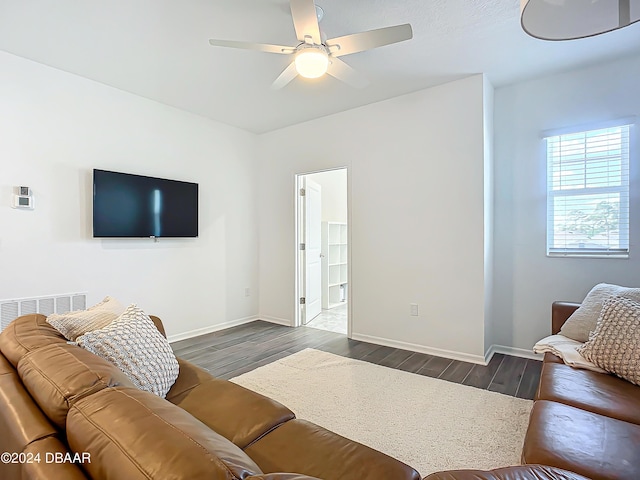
(614, 345)
(134, 345)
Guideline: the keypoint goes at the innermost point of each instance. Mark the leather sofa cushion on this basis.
(281, 476)
(49, 470)
(134, 434)
(5, 367)
(25, 334)
(300, 446)
(551, 358)
(21, 421)
(190, 376)
(158, 323)
(525, 472)
(58, 375)
(236, 413)
(593, 445)
(595, 392)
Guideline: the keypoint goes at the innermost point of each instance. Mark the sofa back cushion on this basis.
(24, 429)
(25, 334)
(238, 414)
(58, 375)
(5, 367)
(141, 436)
(21, 421)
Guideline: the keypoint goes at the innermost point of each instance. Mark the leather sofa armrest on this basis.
(560, 312)
(158, 324)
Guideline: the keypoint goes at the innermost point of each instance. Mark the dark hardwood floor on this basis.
(234, 351)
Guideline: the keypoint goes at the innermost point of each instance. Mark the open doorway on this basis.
(323, 250)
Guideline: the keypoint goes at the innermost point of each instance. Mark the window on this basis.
(588, 193)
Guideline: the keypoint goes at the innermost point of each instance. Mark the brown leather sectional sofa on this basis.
(56, 398)
(584, 421)
(581, 421)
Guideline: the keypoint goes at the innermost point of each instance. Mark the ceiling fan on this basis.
(314, 56)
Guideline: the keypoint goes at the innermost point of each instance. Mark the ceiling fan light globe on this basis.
(311, 62)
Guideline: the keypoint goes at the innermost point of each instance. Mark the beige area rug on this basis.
(427, 423)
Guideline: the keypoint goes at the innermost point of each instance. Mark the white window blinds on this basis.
(588, 193)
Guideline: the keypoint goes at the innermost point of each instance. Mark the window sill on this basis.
(620, 256)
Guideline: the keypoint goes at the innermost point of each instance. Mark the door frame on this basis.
(312, 250)
(299, 238)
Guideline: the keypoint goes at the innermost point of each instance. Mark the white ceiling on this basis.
(159, 49)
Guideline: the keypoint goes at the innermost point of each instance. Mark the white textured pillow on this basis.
(134, 345)
(74, 324)
(615, 343)
(584, 320)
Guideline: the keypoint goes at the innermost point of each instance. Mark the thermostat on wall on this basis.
(23, 198)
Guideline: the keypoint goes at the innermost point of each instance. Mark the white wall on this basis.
(334, 194)
(54, 129)
(526, 281)
(406, 156)
(489, 280)
(417, 217)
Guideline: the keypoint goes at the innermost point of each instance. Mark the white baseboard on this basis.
(279, 321)
(464, 357)
(514, 352)
(213, 328)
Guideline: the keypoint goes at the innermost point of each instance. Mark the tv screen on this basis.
(126, 205)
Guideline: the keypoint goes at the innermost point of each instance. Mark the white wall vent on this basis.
(13, 308)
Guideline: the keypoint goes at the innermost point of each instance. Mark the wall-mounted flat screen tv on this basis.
(126, 205)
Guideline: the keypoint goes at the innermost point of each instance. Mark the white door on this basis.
(313, 246)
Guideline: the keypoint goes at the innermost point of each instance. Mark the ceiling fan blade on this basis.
(285, 77)
(359, 42)
(342, 71)
(261, 47)
(305, 20)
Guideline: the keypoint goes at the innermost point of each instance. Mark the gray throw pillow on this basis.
(584, 320)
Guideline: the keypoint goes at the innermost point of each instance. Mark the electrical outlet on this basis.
(413, 308)
(247, 292)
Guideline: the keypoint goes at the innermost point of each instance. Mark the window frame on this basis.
(623, 190)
